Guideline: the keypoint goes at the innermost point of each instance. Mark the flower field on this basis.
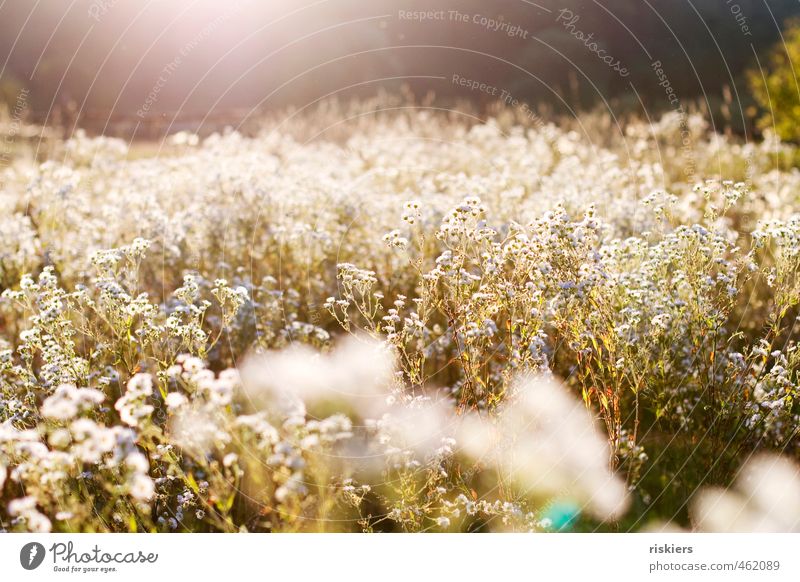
(391, 318)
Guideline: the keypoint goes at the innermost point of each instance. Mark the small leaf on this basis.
(192, 483)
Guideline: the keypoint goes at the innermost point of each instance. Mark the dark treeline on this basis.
(104, 59)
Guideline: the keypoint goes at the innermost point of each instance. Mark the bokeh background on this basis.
(95, 63)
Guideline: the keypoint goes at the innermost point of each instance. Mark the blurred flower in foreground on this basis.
(422, 424)
(359, 371)
(546, 439)
(25, 509)
(766, 498)
(197, 429)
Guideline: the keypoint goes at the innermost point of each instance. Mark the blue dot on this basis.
(563, 515)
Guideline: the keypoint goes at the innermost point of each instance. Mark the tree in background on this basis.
(776, 87)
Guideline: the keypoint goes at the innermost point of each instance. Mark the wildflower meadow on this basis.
(370, 317)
